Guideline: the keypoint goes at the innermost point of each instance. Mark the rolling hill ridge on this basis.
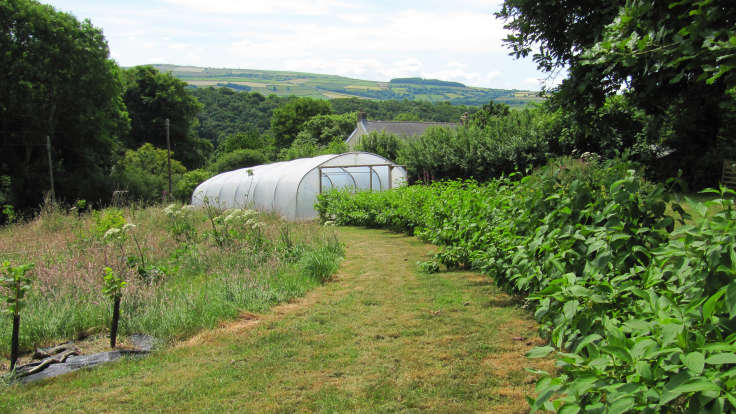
(312, 85)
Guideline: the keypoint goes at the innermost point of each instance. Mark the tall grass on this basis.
(186, 284)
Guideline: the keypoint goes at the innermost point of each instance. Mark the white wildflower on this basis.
(170, 209)
(329, 223)
(111, 233)
(129, 226)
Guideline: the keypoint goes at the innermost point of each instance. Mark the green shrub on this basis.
(188, 182)
(505, 145)
(144, 173)
(382, 143)
(107, 219)
(237, 159)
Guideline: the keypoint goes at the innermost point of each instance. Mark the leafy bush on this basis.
(106, 220)
(382, 143)
(241, 158)
(643, 316)
(144, 172)
(188, 182)
(505, 144)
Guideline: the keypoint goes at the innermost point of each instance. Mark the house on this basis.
(404, 129)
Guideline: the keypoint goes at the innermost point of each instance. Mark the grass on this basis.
(688, 203)
(380, 338)
(190, 284)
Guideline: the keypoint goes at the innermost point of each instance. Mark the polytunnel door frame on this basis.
(370, 173)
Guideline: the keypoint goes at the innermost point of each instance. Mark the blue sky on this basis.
(376, 40)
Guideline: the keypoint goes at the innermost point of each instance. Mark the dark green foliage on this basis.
(484, 116)
(58, 81)
(151, 97)
(226, 112)
(393, 109)
(243, 140)
(642, 314)
(288, 119)
(614, 128)
(674, 60)
(382, 143)
(144, 173)
(237, 159)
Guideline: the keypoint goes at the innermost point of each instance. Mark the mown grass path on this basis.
(380, 338)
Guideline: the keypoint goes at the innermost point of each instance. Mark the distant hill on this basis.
(313, 85)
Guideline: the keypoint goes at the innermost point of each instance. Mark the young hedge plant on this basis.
(16, 284)
(113, 289)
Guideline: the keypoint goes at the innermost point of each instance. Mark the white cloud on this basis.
(457, 41)
(247, 7)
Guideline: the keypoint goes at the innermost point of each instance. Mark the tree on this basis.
(324, 129)
(288, 119)
(489, 111)
(151, 97)
(382, 143)
(250, 140)
(57, 81)
(673, 59)
(226, 112)
(144, 172)
(239, 158)
(188, 182)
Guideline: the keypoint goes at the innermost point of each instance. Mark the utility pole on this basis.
(51, 169)
(168, 148)
(48, 151)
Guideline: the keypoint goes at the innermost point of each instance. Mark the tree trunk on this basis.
(14, 342)
(114, 325)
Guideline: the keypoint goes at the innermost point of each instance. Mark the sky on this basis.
(377, 40)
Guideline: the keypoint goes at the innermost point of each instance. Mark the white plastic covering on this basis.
(290, 188)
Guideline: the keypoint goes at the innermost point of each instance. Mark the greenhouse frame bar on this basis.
(290, 188)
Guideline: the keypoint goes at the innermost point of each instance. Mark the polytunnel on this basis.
(290, 188)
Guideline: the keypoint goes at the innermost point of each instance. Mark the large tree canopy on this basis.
(57, 81)
(151, 97)
(673, 59)
(288, 119)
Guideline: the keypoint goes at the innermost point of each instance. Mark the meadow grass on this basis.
(189, 281)
(380, 338)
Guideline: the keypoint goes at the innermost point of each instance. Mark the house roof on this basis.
(403, 128)
(400, 128)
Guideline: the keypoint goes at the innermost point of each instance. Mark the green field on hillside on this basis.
(312, 85)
